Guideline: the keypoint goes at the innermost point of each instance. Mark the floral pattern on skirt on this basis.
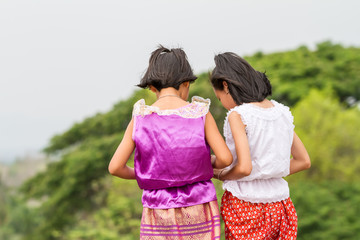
(255, 221)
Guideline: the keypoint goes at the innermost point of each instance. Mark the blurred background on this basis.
(68, 71)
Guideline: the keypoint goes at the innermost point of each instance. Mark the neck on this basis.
(168, 91)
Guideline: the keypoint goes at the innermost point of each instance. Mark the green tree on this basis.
(79, 200)
(327, 210)
(327, 195)
(327, 129)
(294, 73)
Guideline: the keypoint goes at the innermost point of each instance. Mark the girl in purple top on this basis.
(173, 166)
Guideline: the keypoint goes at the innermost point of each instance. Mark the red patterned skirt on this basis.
(246, 220)
(199, 222)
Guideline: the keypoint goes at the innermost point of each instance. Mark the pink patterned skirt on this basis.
(246, 220)
(199, 222)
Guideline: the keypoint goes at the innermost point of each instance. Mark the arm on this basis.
(217, 144)
(301, 160)
(243, 167)
(117, 166)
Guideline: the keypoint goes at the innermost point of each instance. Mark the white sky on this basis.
(62, 61)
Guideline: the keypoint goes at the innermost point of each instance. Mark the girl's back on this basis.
(171, 151)
(270, 133)
(173, 166)
(170, 145)
(260, 134)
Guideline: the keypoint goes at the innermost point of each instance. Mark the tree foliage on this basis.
(327, 128)
(327, 210)
(294, 73)
(77, 199)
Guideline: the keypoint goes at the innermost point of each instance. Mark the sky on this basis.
(64, 61)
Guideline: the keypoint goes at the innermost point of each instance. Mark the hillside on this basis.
(81, 201)
(16, 173)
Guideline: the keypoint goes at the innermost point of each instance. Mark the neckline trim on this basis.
(197, 108)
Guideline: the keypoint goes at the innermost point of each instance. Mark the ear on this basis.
(226, 87)
(186, 84)
(153, 89)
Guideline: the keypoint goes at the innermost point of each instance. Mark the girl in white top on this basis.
(260, 134)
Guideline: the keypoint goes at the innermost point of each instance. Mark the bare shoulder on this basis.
(209, 119)
(234, 115)
(235, 118)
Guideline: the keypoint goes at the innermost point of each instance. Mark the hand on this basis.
(213, 159)
(217, 173)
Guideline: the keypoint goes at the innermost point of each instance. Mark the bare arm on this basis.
(117, 166)
(223, 157)
(301, 160)
(243, 167)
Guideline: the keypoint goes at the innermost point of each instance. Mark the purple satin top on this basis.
(172, 157)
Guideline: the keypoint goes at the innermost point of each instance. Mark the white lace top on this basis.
(270, 135)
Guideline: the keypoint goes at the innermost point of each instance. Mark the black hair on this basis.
(167, 68)
(244, 82)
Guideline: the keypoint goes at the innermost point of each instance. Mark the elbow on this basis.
(225, 161)
(245, 171)
(228, 160)
(112, 169)
(307, 163)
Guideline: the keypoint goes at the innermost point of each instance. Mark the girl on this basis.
(260, 135)
(172, 159)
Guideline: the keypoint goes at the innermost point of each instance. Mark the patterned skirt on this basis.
(246, 220)
(199, 222)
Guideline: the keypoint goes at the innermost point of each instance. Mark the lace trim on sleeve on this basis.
(245, 114)
(206, 101)
(137, 107)
(204, 104)
(140, 108)
(243, 111)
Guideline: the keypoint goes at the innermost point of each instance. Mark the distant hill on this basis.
(17, 172)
